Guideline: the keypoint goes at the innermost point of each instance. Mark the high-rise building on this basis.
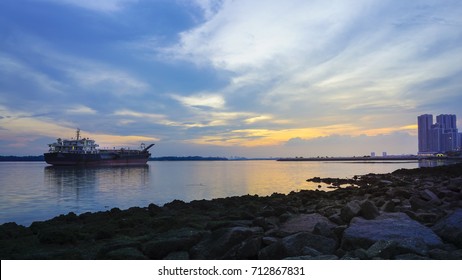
(447, 121)
(425, 123)
(459, 142)
(439, 137)
(449, 133)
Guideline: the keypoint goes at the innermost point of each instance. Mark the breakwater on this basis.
(407, 214)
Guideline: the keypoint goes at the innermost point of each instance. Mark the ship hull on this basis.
(104, 159)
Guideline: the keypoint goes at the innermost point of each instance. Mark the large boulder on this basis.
(397, 227)
(450, 228)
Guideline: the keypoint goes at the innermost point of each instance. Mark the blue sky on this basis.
(227, 78)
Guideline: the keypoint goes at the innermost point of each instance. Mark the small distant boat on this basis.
(85, 152)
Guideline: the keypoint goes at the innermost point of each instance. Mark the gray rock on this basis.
(305, 222)
(179, 255)
(248, 249)
(320, 257)
(116, 245)
(389, 206)
(428, 195)
(440, 254)
(325, 230)
(181, 240)
(217, 245)
(127, 253)
(294, 244)
(413, 246)
(450, 228)
(410, 257)
(350, 258)
(369, 210)
(427, 218)
(418, 203)
(268, 240)
(389, 227)
(382, 249)
(386, 182)
(307, 251)
(456, 255)
(275, 251)
(259, 222)
(360, 253)
(350, 210)
(338, 231)
(336, 219)
(299, 244)
(400, 192)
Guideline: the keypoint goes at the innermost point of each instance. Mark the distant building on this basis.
(424, 123)
(449, 134)
(439, 137)
(384, 154)
(372, 154)
(459, 142)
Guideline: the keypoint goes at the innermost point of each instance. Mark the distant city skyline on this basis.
(440, 137)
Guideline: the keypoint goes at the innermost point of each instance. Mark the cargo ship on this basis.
(85, 152)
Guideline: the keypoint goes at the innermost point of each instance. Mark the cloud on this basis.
(288, 138)
(48, 70)
(331, 57)
(214, 101)
(106, 6)
(130, 116)
(81, 109)
(346, 145)
(23, 73)
(20, 129)
(25, 125)
(247, 35)
(109, 81)
(209, 7)
(257, 119)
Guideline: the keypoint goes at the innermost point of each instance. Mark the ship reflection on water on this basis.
(86, 184)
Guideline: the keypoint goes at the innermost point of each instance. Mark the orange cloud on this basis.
(269, 137)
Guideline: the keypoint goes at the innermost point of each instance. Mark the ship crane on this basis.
(147, 148)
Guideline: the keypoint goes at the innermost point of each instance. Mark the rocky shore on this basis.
(407, 214)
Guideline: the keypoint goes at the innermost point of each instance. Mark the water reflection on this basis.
(436, 162)
(31, 191)
(82, 181)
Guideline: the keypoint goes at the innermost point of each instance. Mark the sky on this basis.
(228, 78)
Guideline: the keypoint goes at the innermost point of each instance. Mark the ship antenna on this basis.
(78, 133)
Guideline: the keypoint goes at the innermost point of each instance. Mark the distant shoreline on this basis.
(22, 158)
(201, 158)
(368, 158)
(168, 158)
(365, 158)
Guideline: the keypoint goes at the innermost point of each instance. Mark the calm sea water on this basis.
(35, 191)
